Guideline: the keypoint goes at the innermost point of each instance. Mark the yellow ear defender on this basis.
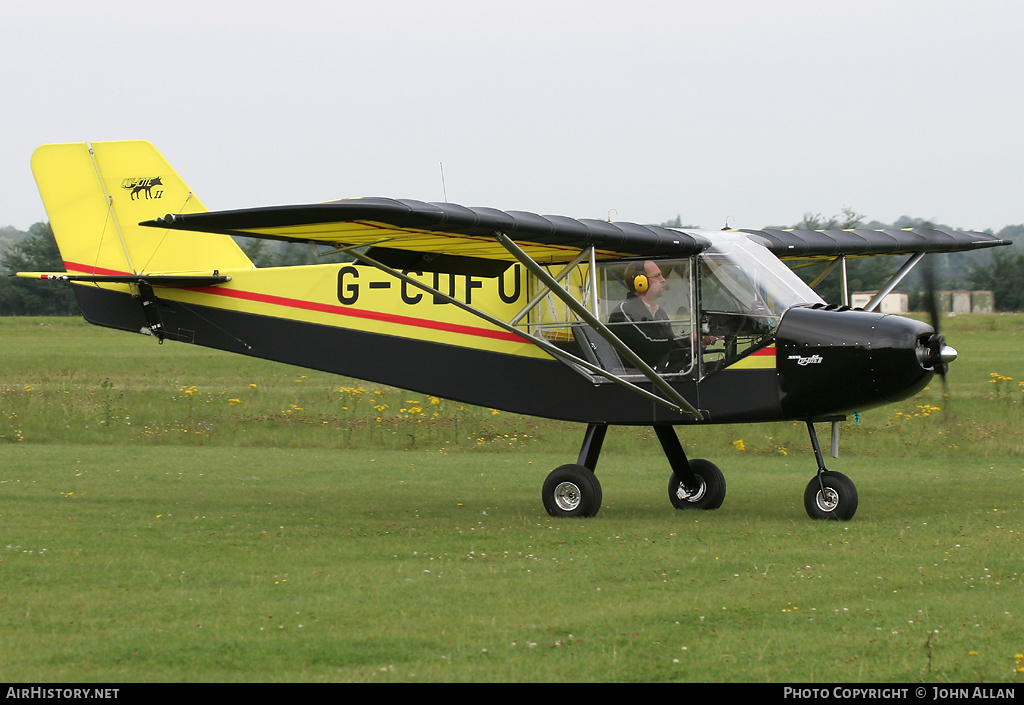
(636, 278)
(640, 283)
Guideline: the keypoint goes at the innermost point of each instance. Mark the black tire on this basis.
(572, 491)
(708, 495)
(831, 496)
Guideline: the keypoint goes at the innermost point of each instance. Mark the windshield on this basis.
(744, 290)
(743, 277)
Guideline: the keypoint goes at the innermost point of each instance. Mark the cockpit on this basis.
(687, 317)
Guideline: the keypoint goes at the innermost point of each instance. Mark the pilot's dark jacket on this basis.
(649, 336)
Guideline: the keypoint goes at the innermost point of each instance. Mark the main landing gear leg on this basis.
(573, 490)
(829, 495)
(693, 484)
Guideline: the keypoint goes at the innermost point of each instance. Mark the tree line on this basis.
(34, 251)
(999, 270)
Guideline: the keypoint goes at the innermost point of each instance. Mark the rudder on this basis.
(95, 194)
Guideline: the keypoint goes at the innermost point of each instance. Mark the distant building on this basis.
(962, 301)
(959, 301)
(983, 302)
(894, 302)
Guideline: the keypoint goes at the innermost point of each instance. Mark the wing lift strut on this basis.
(672, 398)
(574, 490)
(844, 286)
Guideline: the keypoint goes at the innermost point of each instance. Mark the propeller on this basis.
(938, 355)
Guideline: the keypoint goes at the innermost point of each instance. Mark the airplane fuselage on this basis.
(358, 322)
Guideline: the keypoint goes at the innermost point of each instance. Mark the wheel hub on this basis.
(567, 496)
(827, 499)
(687, 495)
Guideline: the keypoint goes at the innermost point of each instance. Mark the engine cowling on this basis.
(836, 360)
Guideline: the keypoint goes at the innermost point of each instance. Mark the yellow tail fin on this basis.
(95, 195)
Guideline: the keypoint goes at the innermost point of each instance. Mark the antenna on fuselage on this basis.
(444, 191)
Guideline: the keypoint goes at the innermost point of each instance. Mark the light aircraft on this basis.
(590, 321)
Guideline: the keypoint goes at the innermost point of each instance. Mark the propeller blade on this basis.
(940, 354)
(931, 297)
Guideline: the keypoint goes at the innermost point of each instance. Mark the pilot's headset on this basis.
(636, 278)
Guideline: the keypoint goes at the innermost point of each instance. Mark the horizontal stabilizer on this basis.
(175, 280)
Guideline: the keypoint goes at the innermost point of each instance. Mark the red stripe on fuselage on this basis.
(100, 271)
(326, 308)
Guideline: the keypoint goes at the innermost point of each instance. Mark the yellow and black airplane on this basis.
(585, 320)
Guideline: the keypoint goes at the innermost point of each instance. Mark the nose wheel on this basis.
(830, 495)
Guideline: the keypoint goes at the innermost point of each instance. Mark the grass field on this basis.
(175, 514)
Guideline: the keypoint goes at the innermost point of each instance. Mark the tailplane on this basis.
(97, 193)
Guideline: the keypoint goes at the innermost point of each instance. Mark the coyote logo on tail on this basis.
(143, 185)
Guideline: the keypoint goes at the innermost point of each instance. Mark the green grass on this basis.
(149, 534)
(65, 381)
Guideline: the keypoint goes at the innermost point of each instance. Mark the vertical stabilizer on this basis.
(95, 195)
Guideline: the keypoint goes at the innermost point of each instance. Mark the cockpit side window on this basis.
(648, 304)
(657, 324)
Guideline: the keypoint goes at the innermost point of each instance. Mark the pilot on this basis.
(644, 325)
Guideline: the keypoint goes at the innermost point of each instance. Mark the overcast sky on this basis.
(747, 112)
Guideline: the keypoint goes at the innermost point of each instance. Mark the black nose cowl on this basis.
(836, 360)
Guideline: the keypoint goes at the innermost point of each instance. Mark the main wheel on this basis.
(709, 492)
(572, 491)
(831, 495)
